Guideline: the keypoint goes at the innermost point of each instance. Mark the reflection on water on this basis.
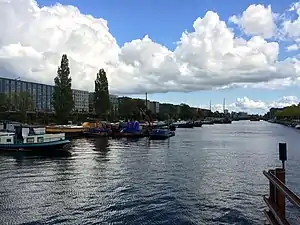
(208, 175)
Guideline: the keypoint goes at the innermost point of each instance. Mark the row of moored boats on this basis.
(20, 137)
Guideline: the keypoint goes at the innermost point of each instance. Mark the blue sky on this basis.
(164, 21)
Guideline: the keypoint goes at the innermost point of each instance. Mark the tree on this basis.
(63, 102)
(22, 103)
(186, 112)
(4, 102)
(290, 112)
(101, 96)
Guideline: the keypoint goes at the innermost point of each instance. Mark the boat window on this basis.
(8, 140)
(30, 140)
(40, 139)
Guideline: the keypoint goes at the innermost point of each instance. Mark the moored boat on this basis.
(254, 119)
(184, 124)
(69, 130)
(197, 124)
(161, 133)
(31, 138)
(207, 122)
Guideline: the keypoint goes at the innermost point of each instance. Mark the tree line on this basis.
(289, 112)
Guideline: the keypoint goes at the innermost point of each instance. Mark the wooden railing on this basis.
(279, 192)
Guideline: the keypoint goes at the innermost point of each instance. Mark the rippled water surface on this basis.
(208, 175)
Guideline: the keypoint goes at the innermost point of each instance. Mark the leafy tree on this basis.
(4, 102)
(22, 103)
(186, 112)
(290, 112)
(101, 96)
(63, 102)
(126, 107)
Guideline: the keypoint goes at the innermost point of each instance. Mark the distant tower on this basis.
(210, 105)
(224, 105)
(146, 101)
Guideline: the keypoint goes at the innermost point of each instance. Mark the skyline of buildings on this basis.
(83, 100)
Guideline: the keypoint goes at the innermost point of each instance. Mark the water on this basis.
(208, 175)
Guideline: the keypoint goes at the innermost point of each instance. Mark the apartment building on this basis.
(81, 100)
(42, 94)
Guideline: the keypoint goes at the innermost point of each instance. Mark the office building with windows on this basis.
(42, 94)
(81, 100)
(114, 101)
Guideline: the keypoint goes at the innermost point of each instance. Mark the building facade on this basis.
(42, 94)
(153, 107)
(81, 100)
(114, 101)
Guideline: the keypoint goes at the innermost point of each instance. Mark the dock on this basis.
(279, 193)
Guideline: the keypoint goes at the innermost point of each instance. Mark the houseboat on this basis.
(31, 138)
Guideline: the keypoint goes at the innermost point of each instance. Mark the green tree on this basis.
(290, 112)
(22, 103)
(4, 102)
(63, 102)
(186, 112)
(101, 96)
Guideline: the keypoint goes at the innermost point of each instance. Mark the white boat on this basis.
(31, 138)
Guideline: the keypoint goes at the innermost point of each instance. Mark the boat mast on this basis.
(146, 101)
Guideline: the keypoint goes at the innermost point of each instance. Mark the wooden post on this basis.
(272, 189)
(279, 196)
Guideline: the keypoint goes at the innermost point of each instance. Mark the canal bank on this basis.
(208, 175)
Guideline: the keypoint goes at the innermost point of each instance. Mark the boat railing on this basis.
(279, 192)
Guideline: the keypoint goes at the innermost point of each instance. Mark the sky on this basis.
(193, 52)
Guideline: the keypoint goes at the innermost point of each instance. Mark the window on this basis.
(40, 139)
(30, 140)
(8, 140)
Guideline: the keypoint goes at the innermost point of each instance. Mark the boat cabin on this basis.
(8, 126)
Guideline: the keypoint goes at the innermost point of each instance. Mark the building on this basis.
(153, 106)
(91, 102)
(81, 100)
(114, 101)
(41, 93)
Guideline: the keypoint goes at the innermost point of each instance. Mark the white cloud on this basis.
(245, 104)
(32, 40)
(291, 28)
(257, 20)
(293, 47)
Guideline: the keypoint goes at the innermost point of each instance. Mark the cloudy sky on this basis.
(178, 51)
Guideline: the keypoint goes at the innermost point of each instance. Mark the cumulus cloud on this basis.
(291, 27)
(293, 47)
(33, 38)
(257, 20)
(245, 104)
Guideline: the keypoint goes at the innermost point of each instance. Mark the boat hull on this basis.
(185, 125)
(161, 136)
(43, 147)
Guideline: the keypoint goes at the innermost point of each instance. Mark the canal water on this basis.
(208, 175)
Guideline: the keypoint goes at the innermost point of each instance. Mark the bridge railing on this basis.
(279, 192)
